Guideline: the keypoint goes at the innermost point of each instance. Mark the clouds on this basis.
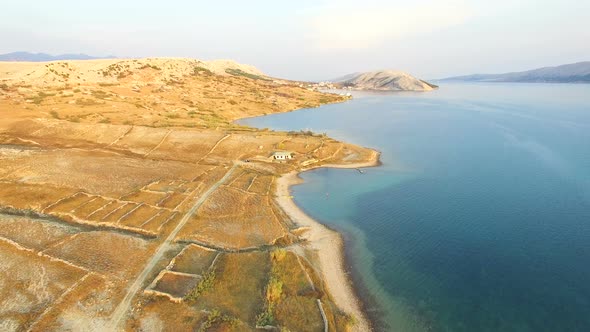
(347, 25)
(312, 39)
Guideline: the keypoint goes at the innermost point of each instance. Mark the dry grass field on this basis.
(103, 163)
(233, 219)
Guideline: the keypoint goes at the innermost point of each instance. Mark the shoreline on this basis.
(328, 244)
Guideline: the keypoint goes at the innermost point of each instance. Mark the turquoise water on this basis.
(479, 218)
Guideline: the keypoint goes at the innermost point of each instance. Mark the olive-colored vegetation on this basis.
(238, 72)
(204, 285)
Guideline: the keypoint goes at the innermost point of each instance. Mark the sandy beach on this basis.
(328, 244)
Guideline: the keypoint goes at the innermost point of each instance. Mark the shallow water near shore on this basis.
(479, 217)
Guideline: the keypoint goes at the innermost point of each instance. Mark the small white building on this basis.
(282, 155)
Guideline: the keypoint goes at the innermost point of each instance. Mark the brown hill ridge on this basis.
(111, 70)
(152, 92)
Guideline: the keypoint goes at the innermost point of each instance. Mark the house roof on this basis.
(282, 153)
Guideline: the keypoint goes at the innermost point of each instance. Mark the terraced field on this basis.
(116, 214)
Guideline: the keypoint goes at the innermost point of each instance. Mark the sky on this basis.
(312, 40)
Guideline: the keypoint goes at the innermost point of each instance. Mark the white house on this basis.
(282, 155)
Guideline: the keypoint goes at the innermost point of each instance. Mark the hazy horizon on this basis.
(313, 40)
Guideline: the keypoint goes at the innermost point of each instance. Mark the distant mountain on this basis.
(384, 80)
(571, 73)
(42, 57)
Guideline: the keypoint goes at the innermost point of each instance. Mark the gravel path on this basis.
(118, 317)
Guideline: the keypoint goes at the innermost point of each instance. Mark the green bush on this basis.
(201, 70)
(265, 318)
(239, 72)
(216, 317)
(274, 290)
(203, 286)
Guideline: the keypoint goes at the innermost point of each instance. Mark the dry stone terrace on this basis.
(126, 202)
(83, 209)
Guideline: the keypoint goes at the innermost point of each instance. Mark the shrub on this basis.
(239, 72)
(265, 318)
(86, 102)
(201, 70)
(279, 254)
(203, 286)
(216, 317)
(274, 290)
(37, 100)
(154, 67)
(99, 94)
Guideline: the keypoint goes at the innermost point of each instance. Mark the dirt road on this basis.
(117, 319)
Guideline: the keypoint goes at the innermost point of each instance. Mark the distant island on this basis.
(43, 57)
(571, 73)
(384, 80)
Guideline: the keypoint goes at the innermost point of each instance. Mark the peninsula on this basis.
(384, 80)
(131, 201)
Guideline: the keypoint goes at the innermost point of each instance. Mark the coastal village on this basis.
(330, 87)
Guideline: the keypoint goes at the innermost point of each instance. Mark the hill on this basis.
(42, 57)
(110, 71)
(160, 91)
(129, 186)
(571, 73)
(384, 80)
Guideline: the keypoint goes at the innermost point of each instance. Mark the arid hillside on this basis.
(148, 92)
(129, 201)
(385, 80)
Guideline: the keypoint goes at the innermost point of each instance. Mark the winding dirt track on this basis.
(117, 319)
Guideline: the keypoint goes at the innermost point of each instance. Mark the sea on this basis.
(479, 217)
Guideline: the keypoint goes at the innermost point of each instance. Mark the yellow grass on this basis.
(105, 252)
(238, 286)
(194, 259)
(116, 152)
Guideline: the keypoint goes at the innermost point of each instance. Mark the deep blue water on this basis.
(479, 218)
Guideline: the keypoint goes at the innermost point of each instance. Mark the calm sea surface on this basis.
(479, 218)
